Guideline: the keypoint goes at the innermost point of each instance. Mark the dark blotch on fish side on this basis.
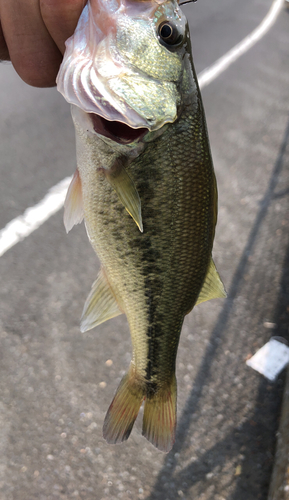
(150, 255)
(153, 287)
(151, 389)
(151, 269)
(119, 208)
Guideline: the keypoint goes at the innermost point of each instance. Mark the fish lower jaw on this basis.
(117, 131)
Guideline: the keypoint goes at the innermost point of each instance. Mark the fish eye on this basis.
(169, 34)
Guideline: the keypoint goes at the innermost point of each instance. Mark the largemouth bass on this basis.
(146, 188)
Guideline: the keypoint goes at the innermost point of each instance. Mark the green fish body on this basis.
(147, 190)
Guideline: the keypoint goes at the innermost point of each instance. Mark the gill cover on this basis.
(123, 64)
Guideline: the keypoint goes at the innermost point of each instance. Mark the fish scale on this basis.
(149, 202)
(163, 262)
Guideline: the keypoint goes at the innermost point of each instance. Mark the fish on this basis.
(146, 189)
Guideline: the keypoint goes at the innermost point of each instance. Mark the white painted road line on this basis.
(209, 74)
(34, 217)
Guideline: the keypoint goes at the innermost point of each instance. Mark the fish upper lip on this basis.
(117, 131)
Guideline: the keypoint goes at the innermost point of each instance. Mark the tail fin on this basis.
(124, 409)
(159, 421)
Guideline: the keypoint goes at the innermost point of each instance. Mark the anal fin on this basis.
(100, 304)
(213, 287)
(73, 207)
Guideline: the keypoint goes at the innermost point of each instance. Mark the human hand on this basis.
(32, 36)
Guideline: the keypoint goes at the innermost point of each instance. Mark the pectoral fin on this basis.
(213, 287)
(125, 188)
(100, 304)
(73, 208)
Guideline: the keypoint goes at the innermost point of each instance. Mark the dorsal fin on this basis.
(73, 207)
(213, 287)
(100, 304)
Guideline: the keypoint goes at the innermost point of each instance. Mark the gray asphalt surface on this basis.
(56, 383)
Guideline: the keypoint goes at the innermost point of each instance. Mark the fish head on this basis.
(125, 64)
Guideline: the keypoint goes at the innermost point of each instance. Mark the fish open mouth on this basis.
(117, 131)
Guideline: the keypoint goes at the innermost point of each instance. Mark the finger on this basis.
(4, 53)
(32, 51)
(60, 18)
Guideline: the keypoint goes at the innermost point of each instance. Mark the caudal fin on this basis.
(159, 420)
(124, 409)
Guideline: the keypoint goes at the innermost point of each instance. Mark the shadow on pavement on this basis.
(247, 439)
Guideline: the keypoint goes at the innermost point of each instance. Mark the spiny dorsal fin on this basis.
(73, 208)
(213, 287)
(100, 304)
(125, 188)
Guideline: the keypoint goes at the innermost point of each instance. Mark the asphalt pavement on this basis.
(56, 383)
